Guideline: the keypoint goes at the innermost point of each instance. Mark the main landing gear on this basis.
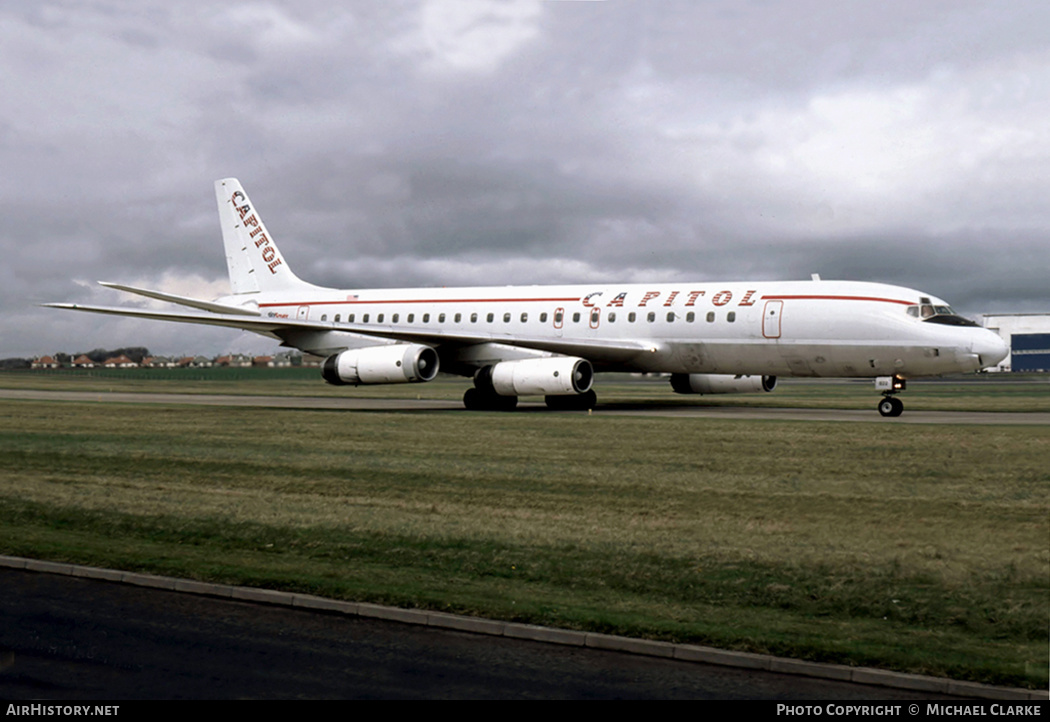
(890, 405)
(474, 399)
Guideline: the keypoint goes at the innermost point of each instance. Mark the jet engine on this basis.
(395, 364)
(555, 376)
(721, 383)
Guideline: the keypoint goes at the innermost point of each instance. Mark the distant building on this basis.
(46, 362)
(237, 360)
(1028, 335)
(83, 362)
(195, 362)
(120, 362)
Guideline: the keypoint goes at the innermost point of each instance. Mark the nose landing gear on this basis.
(890, 405)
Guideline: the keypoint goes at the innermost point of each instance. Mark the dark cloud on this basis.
(444, 143)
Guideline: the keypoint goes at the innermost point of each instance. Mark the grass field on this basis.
(921, 548)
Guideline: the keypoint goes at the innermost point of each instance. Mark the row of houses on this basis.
(122, 361)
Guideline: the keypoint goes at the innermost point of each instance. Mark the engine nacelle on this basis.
(395, 364)
(555, 376)
(721, 383)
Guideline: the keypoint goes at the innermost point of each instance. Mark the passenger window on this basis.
(458, 316)
(670, 317)
(651, 318)
(690, 317)
(394, 318)
(441, 318)
(364, 319)
(337, 317)
(379, 318)
(731, 316)
(426, 318)
(524, 317)
(350, 318)
(543, 317)
(576, 317)
(324, 316)
(489, 318)
(631, 317)
(710, 316)
(612, 316)
(411, 317)
(473, 318)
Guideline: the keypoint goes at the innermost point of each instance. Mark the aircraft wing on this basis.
(185, 300)
(603, 350)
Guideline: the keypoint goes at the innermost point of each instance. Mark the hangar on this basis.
(1028, 336)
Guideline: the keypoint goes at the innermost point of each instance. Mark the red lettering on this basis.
(670, 299)
(693, 295)
(618, 301)
(588, 297)
(268, 253)
(274, 265)
(746, 300)
(649, 296)
(263, 241)
(722, 298)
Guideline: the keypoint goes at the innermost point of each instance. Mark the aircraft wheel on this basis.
(472, 399)
(891, 406)
(505, 403)
(476, 400)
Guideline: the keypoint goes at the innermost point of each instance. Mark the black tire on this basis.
(890, 406)
(476, 400)
(898, 406)
(472, 399)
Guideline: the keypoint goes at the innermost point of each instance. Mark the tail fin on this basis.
(254, 262)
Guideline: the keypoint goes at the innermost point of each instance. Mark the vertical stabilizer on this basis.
(254, 261)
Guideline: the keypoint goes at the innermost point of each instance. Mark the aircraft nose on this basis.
(990, 348)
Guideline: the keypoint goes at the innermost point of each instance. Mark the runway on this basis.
(349, 403)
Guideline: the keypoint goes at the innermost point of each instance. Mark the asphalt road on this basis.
(73, 638)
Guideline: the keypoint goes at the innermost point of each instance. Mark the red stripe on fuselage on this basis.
(777, 297)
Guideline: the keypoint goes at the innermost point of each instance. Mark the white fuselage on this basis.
(794, 328)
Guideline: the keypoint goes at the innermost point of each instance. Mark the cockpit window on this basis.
(939, 314)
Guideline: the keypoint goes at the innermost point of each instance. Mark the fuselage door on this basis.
(771, 319)
(559, 321)
(303, 313)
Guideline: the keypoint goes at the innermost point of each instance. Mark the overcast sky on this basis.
(470, 142)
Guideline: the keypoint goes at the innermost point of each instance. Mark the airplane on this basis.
(710, 337)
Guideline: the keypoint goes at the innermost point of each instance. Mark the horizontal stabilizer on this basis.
(251, 310)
